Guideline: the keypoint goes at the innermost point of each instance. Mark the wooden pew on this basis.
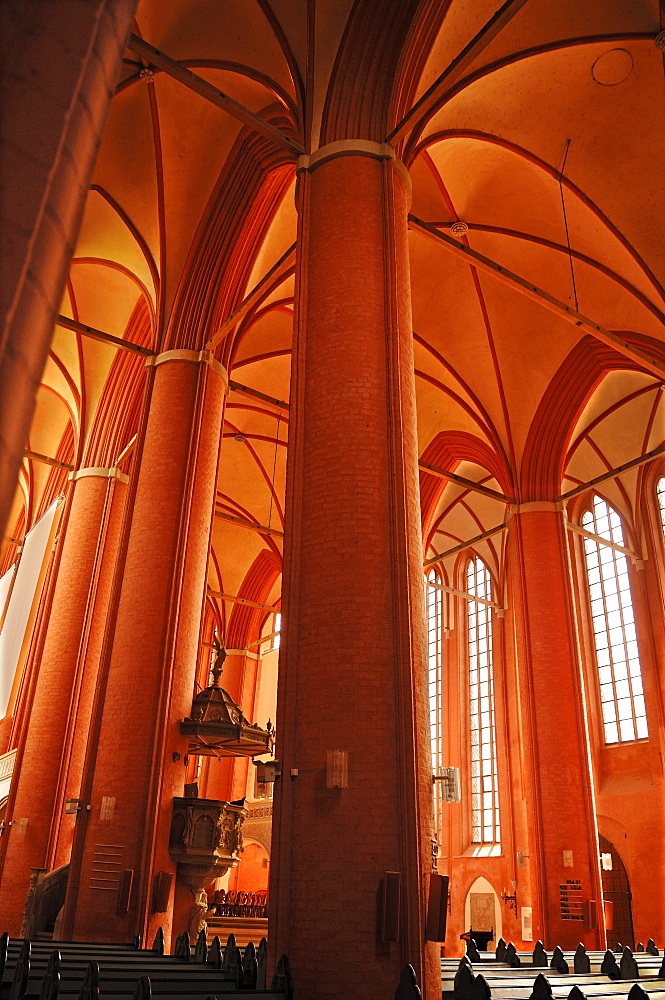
(38, 971)
(595, 974)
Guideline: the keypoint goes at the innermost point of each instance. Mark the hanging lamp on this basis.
(217, 727)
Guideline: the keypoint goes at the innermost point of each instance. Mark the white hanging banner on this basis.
(24, 596)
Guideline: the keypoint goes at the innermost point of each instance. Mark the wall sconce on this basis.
(449, 783)
(511, 900)
(267, 771)
(72, 806)
(337, 771)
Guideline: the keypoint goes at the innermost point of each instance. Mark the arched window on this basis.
(434, 609)
(277, 630)
(619, 673)
(660, 493)
(484, 778)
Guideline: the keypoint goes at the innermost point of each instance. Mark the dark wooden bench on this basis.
(40, 971)
(565, 975)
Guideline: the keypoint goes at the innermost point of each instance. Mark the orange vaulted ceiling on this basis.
(548, 144)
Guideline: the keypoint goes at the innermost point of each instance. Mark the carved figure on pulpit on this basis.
(219, 831)
(225, 826)
(238, 846)
(197, 914)
(186, 833)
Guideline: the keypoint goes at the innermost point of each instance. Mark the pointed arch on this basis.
(233, 226)
(359, 97)
(117, 417)
(447, 450)
(561, 406)
(245, 622)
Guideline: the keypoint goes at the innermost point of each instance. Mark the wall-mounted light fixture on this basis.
(267, 771)
(337, 769)
(449, 784)
(510, 900)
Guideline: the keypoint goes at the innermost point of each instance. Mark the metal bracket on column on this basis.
(197, 357)
(353, 147)
(346, 147)
(534, 506)
(113, 473)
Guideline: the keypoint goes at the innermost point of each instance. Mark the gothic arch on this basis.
(562, 403)
(447, 451)
(245, 622)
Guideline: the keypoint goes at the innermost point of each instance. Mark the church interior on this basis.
(332, 451)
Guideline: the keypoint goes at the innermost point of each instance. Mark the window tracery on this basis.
(485, 822)
(277, 630)
(613, 625)
(434, 612)
(660, 493)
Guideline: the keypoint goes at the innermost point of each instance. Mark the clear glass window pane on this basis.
(617, 655)
(660, 493)
(612, 609)
(611, 732)
(607, 693)
(625, 708)
(627, 730)
(609, 711)
(622, 689)
(435, 634)
(277, 628)
(620, 671)
(484, 784)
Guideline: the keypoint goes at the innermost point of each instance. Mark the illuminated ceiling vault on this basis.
(546, 142)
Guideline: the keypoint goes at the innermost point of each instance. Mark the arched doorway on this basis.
(482, 910)
(251, 875)
(616, 890)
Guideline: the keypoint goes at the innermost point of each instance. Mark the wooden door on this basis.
(616, 889)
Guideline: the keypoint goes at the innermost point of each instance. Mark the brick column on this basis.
(563, 838)
(51, 751)
(135, 761)
(352, 660)
(60, 67)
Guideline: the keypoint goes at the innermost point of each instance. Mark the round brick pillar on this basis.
(52, 748)
(352, 660)
(46, 174)
(563, 838)
(136, 755)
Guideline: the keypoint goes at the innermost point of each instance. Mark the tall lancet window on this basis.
(660, 492)
(619, 673)
(434, 607)
(484, 778)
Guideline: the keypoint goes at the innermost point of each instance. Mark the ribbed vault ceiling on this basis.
(549, 146)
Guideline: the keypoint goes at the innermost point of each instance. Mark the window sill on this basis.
(483, 851)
